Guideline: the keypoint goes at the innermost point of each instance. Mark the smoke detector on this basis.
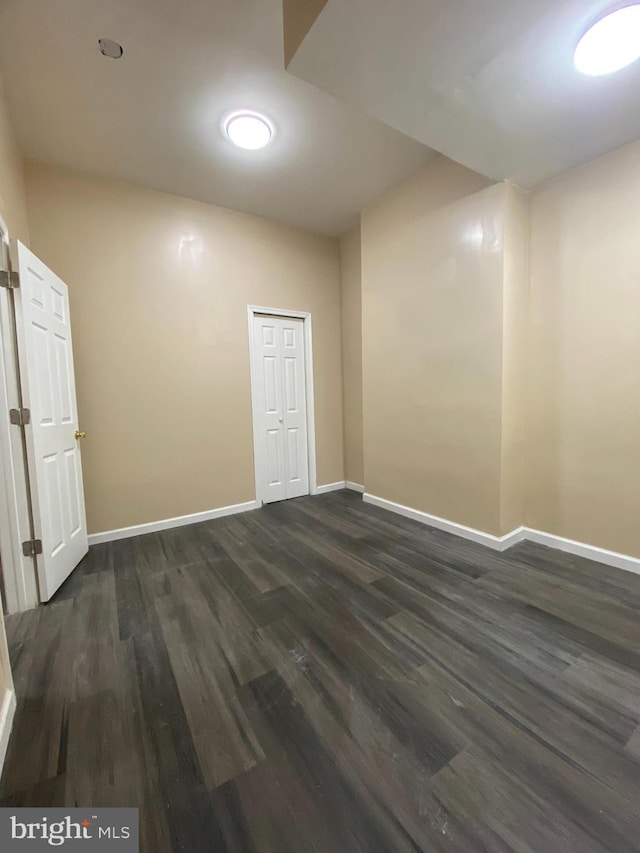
(110, 48)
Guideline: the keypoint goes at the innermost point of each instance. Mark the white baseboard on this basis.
(511, 539)
(194, 518)
(581, 549)
(6, 721)
(331, 487)
(335, 487)
(354, 487)
(498, 543)
(167, 523)
(521, 534)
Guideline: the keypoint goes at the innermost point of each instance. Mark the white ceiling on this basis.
(153, 117)
(490, 83)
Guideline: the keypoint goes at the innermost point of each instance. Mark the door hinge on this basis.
(20, 417)
(32, 547)
(9, 279)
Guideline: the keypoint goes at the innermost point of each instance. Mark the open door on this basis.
(49, 393)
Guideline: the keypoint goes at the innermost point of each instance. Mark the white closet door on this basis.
(267, 400)
(49, 389)
(294, 408)
(280, 408)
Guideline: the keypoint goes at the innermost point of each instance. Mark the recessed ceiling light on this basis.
(110, 48)
(611, 43)
(248, 130)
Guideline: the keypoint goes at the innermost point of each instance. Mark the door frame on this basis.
(305, 316)
(18, 571)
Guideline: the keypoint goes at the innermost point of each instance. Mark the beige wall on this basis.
(14, 214)
(500, 346)
(433, 278)
(351, 288)
(13, 206)
(159, 287)
(583, 412)
(514, 355)
(298, 16)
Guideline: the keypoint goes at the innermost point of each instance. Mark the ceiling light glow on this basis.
(611, 43)
(248, 130)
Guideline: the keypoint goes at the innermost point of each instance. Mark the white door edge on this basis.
(18, 571)
(305, 316)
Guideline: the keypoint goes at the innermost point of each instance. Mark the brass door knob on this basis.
(79, 434)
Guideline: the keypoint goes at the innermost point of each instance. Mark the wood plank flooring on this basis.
(320, 675)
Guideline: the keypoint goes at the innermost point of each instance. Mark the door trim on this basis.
(7, 712)
(305, 316)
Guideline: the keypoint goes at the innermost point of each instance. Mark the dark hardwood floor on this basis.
(320, 675)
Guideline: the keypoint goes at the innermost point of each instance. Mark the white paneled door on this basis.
(49, 391)
(280, 408)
